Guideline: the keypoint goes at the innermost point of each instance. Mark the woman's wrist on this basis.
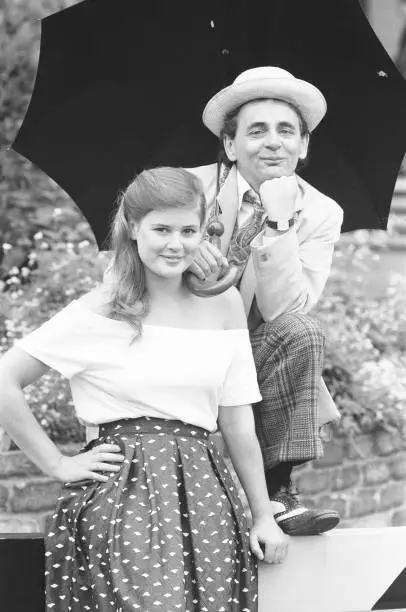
(262, 510)
(55, 465)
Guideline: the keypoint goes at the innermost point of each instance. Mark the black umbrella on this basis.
(121, 86)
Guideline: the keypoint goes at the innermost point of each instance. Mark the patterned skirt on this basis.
(167, 533)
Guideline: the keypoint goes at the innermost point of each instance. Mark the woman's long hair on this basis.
(155, 189)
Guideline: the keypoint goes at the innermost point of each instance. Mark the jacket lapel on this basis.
(228, 201)
(247, 285)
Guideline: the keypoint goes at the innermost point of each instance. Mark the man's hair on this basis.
(230, 128)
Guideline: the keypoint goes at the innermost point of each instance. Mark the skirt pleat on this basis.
(167, 533)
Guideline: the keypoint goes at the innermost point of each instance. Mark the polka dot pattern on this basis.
(166, 533)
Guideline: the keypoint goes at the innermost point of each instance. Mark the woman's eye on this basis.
(161, 230)
(189, 231)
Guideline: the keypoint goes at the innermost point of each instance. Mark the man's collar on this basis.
(243, 186)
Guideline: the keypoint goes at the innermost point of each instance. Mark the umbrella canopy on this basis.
(120, 89)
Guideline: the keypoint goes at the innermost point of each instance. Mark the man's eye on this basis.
(257, 132)
(189, 231)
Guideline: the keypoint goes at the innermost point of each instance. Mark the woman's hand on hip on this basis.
(90, 464)
(268, 542)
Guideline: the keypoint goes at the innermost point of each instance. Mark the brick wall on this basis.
(27, 497)
(364, 479)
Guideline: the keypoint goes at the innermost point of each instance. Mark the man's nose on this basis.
(272, 140)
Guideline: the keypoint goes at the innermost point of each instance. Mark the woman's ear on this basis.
(133, 230)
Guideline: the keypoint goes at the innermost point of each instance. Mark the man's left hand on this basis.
(278, 196)
(209, 262)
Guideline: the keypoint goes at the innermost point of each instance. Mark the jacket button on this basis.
(263, 257)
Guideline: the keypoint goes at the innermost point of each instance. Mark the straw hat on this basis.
(265, 82)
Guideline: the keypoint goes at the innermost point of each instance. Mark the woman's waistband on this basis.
(143, 425)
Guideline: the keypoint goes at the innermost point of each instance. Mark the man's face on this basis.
(267, 143)
(402, 8)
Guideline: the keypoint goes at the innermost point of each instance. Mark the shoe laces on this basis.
(291, 491)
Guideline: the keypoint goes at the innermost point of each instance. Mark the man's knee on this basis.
(297, 329)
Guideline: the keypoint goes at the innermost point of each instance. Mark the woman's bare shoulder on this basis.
(97, 300)
(231, 309)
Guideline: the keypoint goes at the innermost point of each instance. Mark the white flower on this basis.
(13, 280)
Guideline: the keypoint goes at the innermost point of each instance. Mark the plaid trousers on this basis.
(288, 354)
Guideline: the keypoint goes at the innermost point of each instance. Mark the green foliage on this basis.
(47, 251)
(365, 360)
(48, 257)
(63, 274)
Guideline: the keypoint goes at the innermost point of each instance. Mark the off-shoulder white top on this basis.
(168, 372)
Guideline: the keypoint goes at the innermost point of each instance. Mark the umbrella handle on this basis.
(228, 276)
(204, 288)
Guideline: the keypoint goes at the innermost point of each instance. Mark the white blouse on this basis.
(168, 372)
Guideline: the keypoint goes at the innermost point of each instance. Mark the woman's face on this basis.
(168, 240)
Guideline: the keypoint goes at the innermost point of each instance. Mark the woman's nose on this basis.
(174, 241)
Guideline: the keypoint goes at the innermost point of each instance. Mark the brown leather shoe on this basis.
(295, 519)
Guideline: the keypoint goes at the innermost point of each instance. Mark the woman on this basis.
(149, 518)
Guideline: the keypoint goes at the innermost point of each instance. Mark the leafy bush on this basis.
(62, 275)
(365, 356)
(48, 257)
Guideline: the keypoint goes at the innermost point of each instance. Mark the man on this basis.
(280, 233)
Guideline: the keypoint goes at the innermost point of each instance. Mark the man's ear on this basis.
(228, 144)
(304, 146)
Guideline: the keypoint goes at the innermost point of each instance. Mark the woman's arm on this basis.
(17, 370)
(238, 429)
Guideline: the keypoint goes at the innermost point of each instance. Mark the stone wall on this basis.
(364, 479)
(27, 497)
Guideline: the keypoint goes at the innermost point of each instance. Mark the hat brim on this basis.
(305, 96)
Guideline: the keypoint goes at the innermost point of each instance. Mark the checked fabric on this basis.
(288, 355)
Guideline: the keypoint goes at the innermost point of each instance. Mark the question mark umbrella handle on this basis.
(228, 275)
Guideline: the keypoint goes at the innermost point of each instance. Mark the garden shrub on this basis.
(365, 359)
(48, 257)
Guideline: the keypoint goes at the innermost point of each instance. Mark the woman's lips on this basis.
(172, 258)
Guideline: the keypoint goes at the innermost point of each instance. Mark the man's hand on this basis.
(266, 532)
(208, 263)
(278, 196)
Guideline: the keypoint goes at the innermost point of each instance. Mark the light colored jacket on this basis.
(288, 273)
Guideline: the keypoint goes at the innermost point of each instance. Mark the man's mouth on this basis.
(272, 160)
